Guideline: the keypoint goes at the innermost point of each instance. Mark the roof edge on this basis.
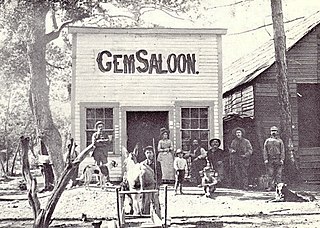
(98, 30)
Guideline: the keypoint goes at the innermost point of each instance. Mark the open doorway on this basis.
(143, 127)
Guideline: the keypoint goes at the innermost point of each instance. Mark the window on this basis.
(194, 125)
(99, 114)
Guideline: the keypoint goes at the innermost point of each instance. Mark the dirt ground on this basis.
(228, 208)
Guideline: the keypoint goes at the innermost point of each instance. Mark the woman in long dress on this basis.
(165, 156)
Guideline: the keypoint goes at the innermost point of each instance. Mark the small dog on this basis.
(284, 194)
(102, 172)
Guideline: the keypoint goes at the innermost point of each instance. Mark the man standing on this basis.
(240, 153)
(273, 155)
(155, 166)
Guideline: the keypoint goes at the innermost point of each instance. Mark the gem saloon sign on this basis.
(144, 62)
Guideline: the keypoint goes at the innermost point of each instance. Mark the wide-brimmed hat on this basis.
(97, 123)
(207, 169)
(274, 128)
(147, 148)
(211, 140)
(238, 129)
(179, 151)
(164, 130)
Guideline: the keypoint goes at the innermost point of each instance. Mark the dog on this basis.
(284, 194)
(100, 171)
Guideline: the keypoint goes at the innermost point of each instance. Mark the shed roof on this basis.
(248, 67)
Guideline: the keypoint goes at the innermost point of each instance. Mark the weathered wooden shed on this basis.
(250, 90)
(138, 80)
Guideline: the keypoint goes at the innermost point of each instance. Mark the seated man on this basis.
(150, 163)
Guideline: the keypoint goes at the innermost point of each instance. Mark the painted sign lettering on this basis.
(143, 62)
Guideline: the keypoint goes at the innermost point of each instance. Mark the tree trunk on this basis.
(282, 84)
(39, 88)
(42, 216)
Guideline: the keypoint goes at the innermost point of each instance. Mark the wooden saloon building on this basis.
(250, 92)
(139, 80)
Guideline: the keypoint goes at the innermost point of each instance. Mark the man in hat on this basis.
(240, 153)
(217, 157)
(151, 163)
(273, 155)
(100, 153)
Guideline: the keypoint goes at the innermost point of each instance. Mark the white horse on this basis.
(137, 177)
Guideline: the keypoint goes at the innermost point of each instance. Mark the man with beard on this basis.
(198, 161)
(217, 158)
(240, 153)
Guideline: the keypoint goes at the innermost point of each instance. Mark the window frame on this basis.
(83, 129)
(179, 105)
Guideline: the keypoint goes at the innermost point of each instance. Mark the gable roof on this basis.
(248, 67)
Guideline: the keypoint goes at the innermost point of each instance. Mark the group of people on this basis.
(179, 164)
(241, 151)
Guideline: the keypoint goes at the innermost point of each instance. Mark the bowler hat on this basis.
(97, 123)
(211, 140)
(238, 129)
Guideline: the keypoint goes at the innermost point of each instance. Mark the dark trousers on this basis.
(274, 172)
(240, 173)
(179, 179)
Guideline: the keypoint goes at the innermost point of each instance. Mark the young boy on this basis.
(180, 166)
(208, 182)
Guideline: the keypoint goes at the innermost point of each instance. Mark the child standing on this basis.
(208, 181)
(180, 166)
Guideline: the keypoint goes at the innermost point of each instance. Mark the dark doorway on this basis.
(308, 115)
(143, 127)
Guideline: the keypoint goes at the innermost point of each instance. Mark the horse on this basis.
(136, 177)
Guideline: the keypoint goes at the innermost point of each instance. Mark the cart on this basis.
(151, 220)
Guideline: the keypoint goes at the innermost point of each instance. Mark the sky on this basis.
(238, 16)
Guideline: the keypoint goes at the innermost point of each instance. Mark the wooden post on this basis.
(165, 206)
(118, 207)
(282, 80)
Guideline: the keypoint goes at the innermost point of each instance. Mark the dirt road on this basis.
(229, 208)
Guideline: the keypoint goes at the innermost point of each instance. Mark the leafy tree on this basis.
(26, 22)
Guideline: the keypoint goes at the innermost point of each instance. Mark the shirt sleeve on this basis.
(282, 152)
(265, 150)
(249, 148)
(175, 164)
(94, 138)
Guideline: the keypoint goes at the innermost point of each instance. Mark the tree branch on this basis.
(227, 5)
(54, 66)
(55, 34)
(31, 182)
(53, 17)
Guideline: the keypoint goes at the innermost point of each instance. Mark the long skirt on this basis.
(166, 160)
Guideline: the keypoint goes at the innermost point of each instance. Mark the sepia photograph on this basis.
(159, 113)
